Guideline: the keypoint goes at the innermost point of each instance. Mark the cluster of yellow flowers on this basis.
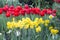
(27, 23)
(53, 31)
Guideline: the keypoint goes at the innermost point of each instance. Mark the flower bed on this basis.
(26, 23)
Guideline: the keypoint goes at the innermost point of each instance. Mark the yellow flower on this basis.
(28, 19)
(41, 21)
(36, 24)
(26, 26)
(9, 25)
(36, 19)
(50, 17)
(21, 26)
(13, 23)
(51, 27)
(54, 31)
(38, 29)
(46, 24)
(31, 24)
(16, 25)
(47, 21)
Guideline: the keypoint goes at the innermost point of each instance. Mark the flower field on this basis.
(24, 22)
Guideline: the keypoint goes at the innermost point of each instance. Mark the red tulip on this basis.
(8, 14)
(44, 10)
(54, 11)
(19, 7)
(49, 11)
(33, 10)
(58, 1)
(5, 8)
(16, 14)
(16, 10)
(22, 12)
(42, 13)
(1, 10)
(27, 11)
(37, 10)
(11, 8)
(54, 14)
(26, 6)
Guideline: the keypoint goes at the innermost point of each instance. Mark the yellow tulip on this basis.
(41, 21)
(54, 31)
(38, 29)
(47, 21)
(46, 24)
(51, 27)
(26, 26)
(50, 17)
(9, 25)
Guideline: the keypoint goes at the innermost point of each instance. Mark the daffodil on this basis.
(26, 26)
(46, 24)
(51, 27)
(9, 25)
(21, 26)
(54, 31)
(38, 29)
(47, 21)
(36, 24)
(41, 21)
(50, 17)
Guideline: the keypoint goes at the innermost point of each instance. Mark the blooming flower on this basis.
(54, 31)
(9, 25)
(5, 8)
(17, 33)
(51, 16)
(9, 31)
(8, 14)
(38, 29)
(51, 27)
(47, 21)
(1, 10)
(42, 13)
(0, 33)
(26, 26)
(41, 21)
(46, 24)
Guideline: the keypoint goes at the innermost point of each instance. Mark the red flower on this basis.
(16, 10)
(1, 10)
(33, 10)
(22, 12)
(11, 8)
(16, 14)
(5, 8)
(26, 6)
(19, 7)
(42, 13)
(44, 10)
(8, 14)
(27, 11)
(58, 1)
(54, 11)
(54, 14)
(37, 10)
(49, 11)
